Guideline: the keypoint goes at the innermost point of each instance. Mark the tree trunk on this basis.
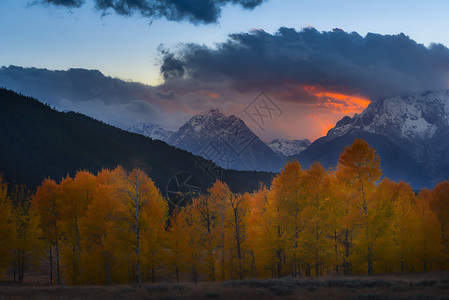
(347, 245)
(239, 255)
(14, 264)
(279, 265)
(138, 279)
(108, 274)
(237, 238)
(253, 262)
(57, 262)
(23, 266)
(370, 261)
(78, 246)
(194, 275)
(223, 246)
(51, 266)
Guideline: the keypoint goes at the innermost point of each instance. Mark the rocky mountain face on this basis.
(227, 141)
(288, 147)
(154, 131)
(411, 134)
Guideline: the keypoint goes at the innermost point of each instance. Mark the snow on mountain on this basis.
(416, 116)
(227, 141)
(205, 125)
(154, 131)
(288, 147)
(415, 125)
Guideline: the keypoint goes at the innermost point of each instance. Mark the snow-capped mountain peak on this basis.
(288, 147)
(208, 124)
(154, 131)
(410, 132)
(227, 141)
(410, 117)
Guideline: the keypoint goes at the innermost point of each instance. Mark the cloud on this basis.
(347, 63)
(172, 103)
(111, 100)
(67, 3)
(194, 11)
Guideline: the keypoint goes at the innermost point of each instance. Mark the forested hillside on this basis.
(37, 141)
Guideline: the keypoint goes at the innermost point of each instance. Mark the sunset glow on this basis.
(224, 149)
(338, 102)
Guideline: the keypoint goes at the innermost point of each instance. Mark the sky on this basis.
(317, 60)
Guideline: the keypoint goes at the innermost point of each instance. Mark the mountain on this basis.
(227, 141)
(409, 132)
(37, 141)
(154, 131)
(288, 147)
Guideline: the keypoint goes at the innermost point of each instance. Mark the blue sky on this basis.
(126, 47)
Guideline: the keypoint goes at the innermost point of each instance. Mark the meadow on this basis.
(430, 285)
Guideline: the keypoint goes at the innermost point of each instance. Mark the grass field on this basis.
(423, 286)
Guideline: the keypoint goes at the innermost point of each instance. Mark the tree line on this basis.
(115, 227)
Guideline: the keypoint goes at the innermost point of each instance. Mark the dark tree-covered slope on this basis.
(37, 141)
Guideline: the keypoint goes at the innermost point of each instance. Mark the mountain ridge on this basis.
(416, 125)
(226, 140)
(151, 130)
(39, 142)
(212, 127)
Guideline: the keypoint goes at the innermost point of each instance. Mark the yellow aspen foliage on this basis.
(206, 222)
(258, 230)
(7, 229)
(178, 243)
(100, 259)
(429, 244)
(359, 167)
(155, 217)
(402, 225)
(338, 225)
(285, 208)
(439, 202)
(115, 228)
(218, 195)
(76, 196)
(192, 254)
(313, 239)
(237, 223)
(28, 246)
(47, 204)
(141, 207)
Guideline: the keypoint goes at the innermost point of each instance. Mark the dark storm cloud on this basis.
(68, 3)
(172, 67)
(76, 84)
(195, 11)
(112, 100)
(374, 65)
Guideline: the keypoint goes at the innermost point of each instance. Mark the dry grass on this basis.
(430, 286)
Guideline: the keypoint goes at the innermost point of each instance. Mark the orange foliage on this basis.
(114, 227)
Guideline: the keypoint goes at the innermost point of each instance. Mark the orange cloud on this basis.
(338, 102)
(208, 94)
(214, 95)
